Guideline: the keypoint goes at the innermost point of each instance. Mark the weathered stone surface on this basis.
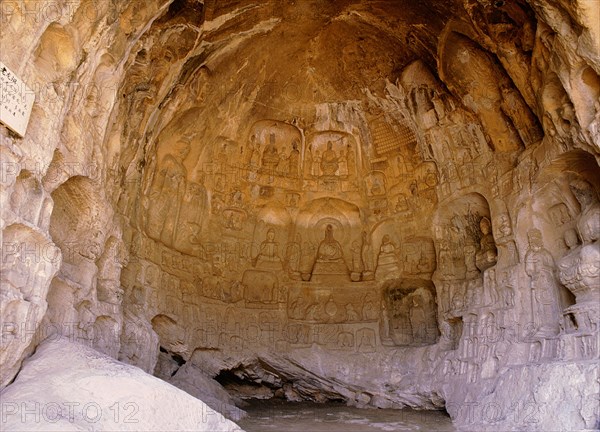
(96, 391)
(387, 203)
(193, 381)
(534, 397)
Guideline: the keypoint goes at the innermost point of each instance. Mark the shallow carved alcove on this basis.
(411, 313)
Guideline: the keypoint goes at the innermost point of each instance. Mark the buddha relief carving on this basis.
(367, 257)
(357, 262)
(166, 192)
(270, 155)
(487, 254)
(268, 255)
(539, 266)
(329, 161)
(579, 268)
(569, 263)
(387, 261)
(251, 158)
(507, 248)
(330, 158)
(330, 258)
(294, 257)
(588, 223)
(410, 313)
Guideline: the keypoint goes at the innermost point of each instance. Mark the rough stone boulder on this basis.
(190, 379)
(68, 386)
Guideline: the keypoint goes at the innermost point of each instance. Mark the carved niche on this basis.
(579, 268)
(465, 241)
(328, 226)
(274, 148)
(410, 313)
(166, 188)
(331, 161)
(570, 233)
(464, 66)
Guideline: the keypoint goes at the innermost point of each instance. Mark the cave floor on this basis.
(264, 416)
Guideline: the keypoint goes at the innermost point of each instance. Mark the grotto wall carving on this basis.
(417, 200)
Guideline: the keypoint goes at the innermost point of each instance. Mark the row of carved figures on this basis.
(329, 259)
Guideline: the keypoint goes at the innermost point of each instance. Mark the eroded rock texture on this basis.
(387, 203)
(100, 392)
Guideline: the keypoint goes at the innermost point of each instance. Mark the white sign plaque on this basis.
(16, 101)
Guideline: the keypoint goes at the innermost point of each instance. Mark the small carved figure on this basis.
(470, 253)
(308, 163)
(166, 194)
(330, 256)
(401, 204)
(293, 159)
(387, 261)
(251, 150)
(492, 286)
(329, 161)
(351, 314)
(294, 254)
(488, 254)
(588, 224)
(507, 249)
(268, 255)
(236, 197)
(343, 160)
(539, 266)
(418, 322)
(508, 292)
(445, 263)
(357, 263)
(270, 156)
(367, 256)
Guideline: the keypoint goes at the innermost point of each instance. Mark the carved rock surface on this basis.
(385, 203)
(535, 397)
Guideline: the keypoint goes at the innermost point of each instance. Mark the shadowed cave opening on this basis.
(261, 382)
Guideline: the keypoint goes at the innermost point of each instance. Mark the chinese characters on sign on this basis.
(16, 101)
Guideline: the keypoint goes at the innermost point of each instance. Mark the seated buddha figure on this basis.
(584, 282)
(330, 259)
(488, 253)
(270, 156)
(387, 261)
(329, 161)
(268, 255)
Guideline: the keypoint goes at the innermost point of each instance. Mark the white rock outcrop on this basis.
(67, 386)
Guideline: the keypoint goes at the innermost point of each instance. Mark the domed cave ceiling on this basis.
(371, 201)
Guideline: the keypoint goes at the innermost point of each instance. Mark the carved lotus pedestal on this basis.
(579, 271)
(330, 272)
(485, 260)
(583, 317)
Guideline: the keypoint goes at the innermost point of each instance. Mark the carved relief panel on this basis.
(410, 314)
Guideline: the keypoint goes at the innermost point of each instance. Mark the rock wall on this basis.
(377, 210)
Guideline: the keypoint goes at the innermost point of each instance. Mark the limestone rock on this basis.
(68, 386)
(386, 203)
(192, 380)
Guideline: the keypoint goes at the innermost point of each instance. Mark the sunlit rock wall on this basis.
(323, 201)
